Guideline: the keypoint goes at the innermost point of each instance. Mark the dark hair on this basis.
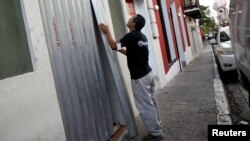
(139, 22)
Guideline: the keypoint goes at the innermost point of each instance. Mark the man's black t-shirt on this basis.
(136, 45)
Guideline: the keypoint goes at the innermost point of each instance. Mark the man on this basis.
(143, 83)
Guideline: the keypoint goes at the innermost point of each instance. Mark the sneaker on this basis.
(150, 137)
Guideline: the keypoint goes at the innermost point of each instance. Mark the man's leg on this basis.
(144, 103)
(155, 101)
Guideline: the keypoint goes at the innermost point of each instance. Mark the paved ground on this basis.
(187, 102)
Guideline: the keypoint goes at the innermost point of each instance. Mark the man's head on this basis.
(137, 22)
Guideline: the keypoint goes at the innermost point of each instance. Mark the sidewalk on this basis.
(187, 103)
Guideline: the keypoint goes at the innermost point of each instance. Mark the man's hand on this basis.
(104, 28)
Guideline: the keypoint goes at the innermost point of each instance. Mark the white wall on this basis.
(188, 55)
(160, 74)
(174, 70)
(28, 104)
(156, 56)
(168, 28)
(141, 8)
(195, 38)
(178, 33)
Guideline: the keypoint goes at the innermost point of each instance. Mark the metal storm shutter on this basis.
(119, 85)
(85, 74)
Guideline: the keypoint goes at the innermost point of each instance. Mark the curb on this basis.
(223, 114)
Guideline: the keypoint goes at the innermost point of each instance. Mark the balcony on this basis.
(192, 8)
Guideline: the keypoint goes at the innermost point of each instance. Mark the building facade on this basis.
(222, 9)
(193, 17)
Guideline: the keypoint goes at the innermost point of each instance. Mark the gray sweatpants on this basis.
(146, 103)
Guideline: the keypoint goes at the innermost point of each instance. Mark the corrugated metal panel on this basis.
(123, 97)
(86, 78)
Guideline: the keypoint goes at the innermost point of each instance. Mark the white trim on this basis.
(183, 28)
(188, 55)
(168, 29)
(190, 10)
(177, 33)
(174, 70)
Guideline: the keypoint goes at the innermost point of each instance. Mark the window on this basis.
(190, 2)
(224, 37)
(15, 56)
